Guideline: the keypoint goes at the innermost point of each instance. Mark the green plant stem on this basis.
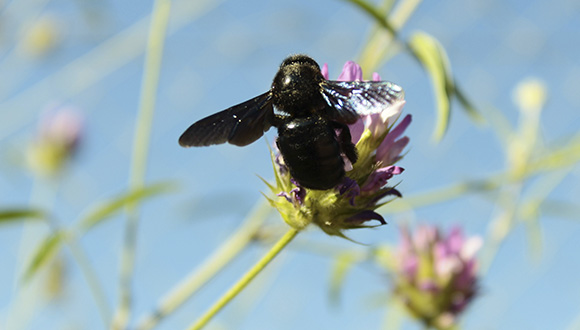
(88, 271)
(30, 12)
(501, 225)
(44, 193)
(84, 264)
(91, 277)
(403, 11)
(206, 271)
(153, 57)
(551, 161)
(24, 300)
(245, 280)
(444, 194)
(380, 43)
(104, 59)
(379, 17)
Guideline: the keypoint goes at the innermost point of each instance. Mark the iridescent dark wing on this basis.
(350, 99)
(241, 124)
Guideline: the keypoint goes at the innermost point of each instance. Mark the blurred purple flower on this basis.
(436, 276)
(59, 134)
(62, 126)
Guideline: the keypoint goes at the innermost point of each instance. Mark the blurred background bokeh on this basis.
(86, 57)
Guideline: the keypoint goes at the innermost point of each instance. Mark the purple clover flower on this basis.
(436, 275)
(352, 203)
(376, 123)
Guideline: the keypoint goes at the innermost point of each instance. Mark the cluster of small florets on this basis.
(435, 275)
(365, 188)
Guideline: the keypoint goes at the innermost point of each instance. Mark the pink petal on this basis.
(356, 130)
(350, 72)
(384, 152)
(324, 71)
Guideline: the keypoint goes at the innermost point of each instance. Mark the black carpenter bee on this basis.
(311, 115)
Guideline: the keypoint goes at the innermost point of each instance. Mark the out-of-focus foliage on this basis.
(16, 214)
(47, 249)
(51, 52)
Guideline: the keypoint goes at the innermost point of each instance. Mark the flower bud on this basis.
(56, 142)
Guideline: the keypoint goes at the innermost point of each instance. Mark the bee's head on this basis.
(296, 87)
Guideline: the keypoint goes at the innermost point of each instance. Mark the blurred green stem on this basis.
(403, 11)
(91, 277)
(557, 159)
(81, 259)
(44, 193)
(382, 39)
(501, 225)
(104, 59)
(379, 17)
(27, 12)
(212, 265)
(245, 280)
(445, 194)
(153, 57)
(24, 300)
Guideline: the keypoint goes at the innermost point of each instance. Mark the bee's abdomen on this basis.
(311, 152)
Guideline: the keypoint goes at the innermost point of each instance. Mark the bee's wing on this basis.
(241, 124)
(350, 99)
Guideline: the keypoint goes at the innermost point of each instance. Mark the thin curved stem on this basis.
(153, 56)
(104, 59)
(200, 276)
(376, 49)
(92, 279)
(245, 280)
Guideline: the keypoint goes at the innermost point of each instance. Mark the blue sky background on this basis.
(230, 53)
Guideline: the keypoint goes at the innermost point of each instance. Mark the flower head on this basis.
(57, 140)
(436, 275)
(353, 202)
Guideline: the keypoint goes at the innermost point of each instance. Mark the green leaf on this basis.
(109, 208)
(270, 186)
(434, 60)
(431, 54)
(468, 106)
(44, 253)
(16, 214)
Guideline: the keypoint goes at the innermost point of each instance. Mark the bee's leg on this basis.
(345, 141)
